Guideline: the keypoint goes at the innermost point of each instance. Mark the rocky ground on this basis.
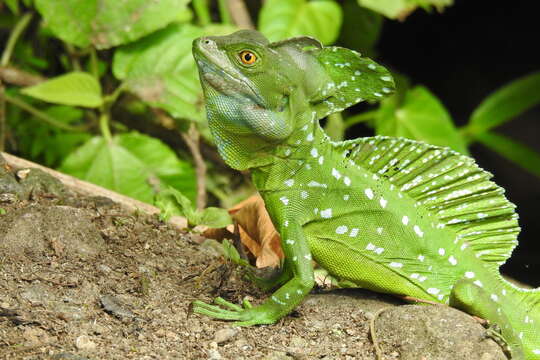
(81, 278)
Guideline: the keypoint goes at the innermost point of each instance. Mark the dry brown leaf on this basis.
(256, 231)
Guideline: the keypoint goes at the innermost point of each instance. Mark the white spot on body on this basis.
(452, 260)
(289, 182)
(369, 193)
(383, 202)
(290, 242)
(286, 223)
(370, 247)
(405, 220)
(284, 200)
(379, 230)
(314, 152)
(336, 173)
(307, 256)
(494, 297)
(396, 264)
(347, 181)
(342, 229)
(321, 160)
(304, 194)
(354, 232)
(442, 251)
(421, 257)
(309, 137)
(433, 291)
(414, 276)
(478, 283)
(346, 197)
(327, 213)
(418, 231)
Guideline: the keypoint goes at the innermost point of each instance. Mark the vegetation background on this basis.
(107, 91)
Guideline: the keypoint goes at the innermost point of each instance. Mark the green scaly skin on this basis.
(390, 215)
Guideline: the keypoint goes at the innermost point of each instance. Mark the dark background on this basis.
(462, 55)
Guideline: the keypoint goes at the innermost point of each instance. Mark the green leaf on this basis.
(505, 104)
(13, 5)
(76, 88)
(161, 71)
(399, 9)
(361, 28)
(514, 151)
(420, 117)
(132, 164)
(172, 202)
(230, 252)
(215, 217)
(108, 23)
(321, 19)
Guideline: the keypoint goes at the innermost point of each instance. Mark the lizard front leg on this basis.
(285, 299)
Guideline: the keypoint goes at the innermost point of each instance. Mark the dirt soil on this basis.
(80, 278)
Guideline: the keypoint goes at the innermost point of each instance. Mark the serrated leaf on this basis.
(107, 23)
(215, 217)
(505, 104)
(75, 88)
(420, 117)
(279, 19)
(514, 151)
(399, 9)
(128, 165)
(161, 71)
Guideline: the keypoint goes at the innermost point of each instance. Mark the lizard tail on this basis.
(526, 317)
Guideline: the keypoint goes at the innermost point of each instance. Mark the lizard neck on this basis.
(307, 145)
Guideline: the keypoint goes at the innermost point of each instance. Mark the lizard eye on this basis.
(247, 57)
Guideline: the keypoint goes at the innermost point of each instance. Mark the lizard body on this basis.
(387, 214)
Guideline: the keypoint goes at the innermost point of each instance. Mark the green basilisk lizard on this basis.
(387, 214)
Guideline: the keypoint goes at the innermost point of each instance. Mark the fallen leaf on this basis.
(257, 233)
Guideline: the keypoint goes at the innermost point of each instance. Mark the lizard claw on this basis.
(246, 314)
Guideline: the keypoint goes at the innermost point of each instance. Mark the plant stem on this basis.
(40, 114)
(14, 36)
(365, 116)
(94, 68)
(2, 116)
(201, 9)
(224, 12)
(240, 14)
(104, 127)
(192, 139)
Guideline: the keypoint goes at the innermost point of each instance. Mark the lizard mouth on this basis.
(226, 83)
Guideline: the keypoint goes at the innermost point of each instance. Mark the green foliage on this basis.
(421, 116)
(230, 252)
(513, 151)
(81, 118)
(283, 19)
(505, 104)
(131, 164)
(173, 202)
(107, 23)
(161, 71)
(75, 88)
(399, 9)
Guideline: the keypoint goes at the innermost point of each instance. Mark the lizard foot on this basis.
(246, 314)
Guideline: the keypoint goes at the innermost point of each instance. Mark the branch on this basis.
(12, 75)
(88, 189)
(240, 14)
(192, 138)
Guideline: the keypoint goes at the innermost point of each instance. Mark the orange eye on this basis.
(247, 57)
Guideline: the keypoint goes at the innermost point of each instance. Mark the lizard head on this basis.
(245, 67)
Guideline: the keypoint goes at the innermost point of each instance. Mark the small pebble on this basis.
(224, 335)
(83, 342)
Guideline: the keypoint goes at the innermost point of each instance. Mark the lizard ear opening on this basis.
(352, 79)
